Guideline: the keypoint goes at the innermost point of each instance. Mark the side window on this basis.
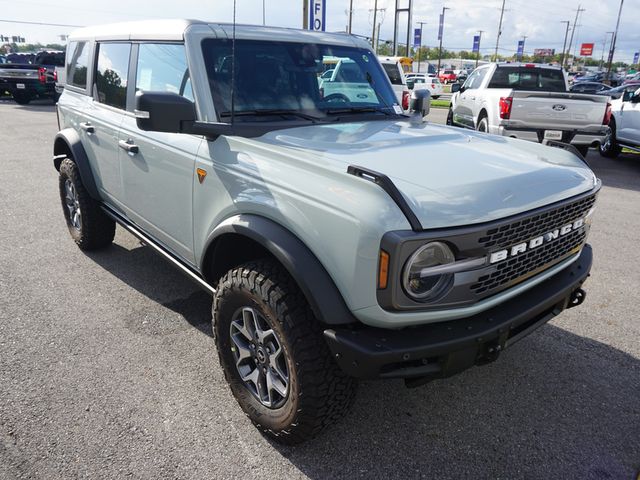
(163, 68)
(77, 64)
(110, 86)
(471, 81)
(480, 78)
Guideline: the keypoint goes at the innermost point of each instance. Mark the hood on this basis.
(449, 176)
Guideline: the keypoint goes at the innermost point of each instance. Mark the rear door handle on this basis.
(128, 146)
(87, 127)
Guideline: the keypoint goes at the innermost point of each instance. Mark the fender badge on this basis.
(202, 174)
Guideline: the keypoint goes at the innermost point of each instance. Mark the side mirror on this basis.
(456, 87)
(410, 84)
(420, 102)
(163, 111)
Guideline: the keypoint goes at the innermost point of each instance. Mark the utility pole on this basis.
(480, 32)
(613, 43)
(564, 44)
(441, 34)
(305, 14)
(350, 16)
(422, 24)
(604, 48)
(499, 30)
(579, 10)
(373, 34)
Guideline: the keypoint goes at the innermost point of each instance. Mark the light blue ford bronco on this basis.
(340, 238)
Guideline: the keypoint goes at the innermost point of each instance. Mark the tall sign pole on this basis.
(399, 10)
(440, 35)
(419, 42)
(613, 42)
(305, 14)
(476, 45)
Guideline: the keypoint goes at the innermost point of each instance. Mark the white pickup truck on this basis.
(531, 102)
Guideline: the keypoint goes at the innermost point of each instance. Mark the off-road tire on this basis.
(583, 149)
(96, 230)
(613, 149)
(22, 98)
(319, 392)
(483, 125)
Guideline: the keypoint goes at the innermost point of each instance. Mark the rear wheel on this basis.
(22, 98)
(483, 125)
(88, 225)
(273, 355)
(610, 147)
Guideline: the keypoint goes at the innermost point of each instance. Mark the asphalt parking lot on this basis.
(108, 370)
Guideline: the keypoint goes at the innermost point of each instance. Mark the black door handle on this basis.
(128, 146)
(87, 127)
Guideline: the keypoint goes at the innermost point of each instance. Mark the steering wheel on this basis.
(337, 97)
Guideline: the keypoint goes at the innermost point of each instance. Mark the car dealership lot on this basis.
(107, 367)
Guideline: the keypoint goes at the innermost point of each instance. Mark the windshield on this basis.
(276, 77)
(393, 72)
(526, 78)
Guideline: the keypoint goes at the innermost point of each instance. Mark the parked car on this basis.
(632, 79)
(617, 92)
(21, 58)
(27, 81)
(589, 87)
(394, 71)
(625, 125)
(448, 76)
(528, 101)
(420, 81)
(334, 240)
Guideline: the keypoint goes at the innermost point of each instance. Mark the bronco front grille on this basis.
(527, 264)
(531, 227)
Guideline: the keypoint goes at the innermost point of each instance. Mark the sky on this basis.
(538, 20)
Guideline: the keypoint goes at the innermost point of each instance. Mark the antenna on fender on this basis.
(233, 66)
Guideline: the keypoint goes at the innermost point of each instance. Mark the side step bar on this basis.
(124, 223)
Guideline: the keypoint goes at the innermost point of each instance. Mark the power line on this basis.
(41, 23)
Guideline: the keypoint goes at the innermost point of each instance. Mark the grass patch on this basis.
(440, 103)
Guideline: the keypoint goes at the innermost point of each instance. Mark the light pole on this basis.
(373, 34)
(422, 24)
(441, 34)
(613, 42)
(350, 15)
(564, 44)
(263, 14)
(573, 30)
(499, 30)
(604, 47)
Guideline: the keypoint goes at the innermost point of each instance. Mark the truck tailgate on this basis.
(555, 110)
(18, 72)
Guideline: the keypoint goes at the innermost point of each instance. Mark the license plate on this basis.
(20, 86)
(553, 134)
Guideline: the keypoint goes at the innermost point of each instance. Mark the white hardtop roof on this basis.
(174, 30)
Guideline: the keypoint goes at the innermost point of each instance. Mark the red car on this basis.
(448, 76)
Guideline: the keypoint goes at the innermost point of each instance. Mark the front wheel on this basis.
(274, 358)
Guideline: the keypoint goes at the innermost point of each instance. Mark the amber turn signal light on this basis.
(383, 270)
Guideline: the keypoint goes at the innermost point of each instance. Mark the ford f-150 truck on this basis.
(29, 81)
(531, 102)
(335, 242)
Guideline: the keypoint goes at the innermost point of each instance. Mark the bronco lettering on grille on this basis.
(536, 242)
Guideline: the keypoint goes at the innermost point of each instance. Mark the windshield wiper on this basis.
(337, 111)
(264, 112)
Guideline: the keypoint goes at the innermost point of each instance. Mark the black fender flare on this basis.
(67, 143)
(314, 281)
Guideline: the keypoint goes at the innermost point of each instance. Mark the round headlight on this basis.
(417, 282)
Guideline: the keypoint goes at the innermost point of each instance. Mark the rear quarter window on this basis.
(393, 72)
(77, 64)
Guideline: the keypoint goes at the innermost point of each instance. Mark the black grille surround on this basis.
(519, 268)
(531, 227)
(481, 240)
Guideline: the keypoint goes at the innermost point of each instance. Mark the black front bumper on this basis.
(439, 350)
